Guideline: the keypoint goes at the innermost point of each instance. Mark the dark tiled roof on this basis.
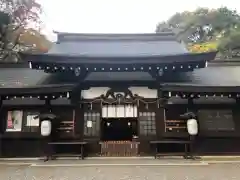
(24, 80)
(213, 78)
(210, 76)
(117, 45)
(22, 77)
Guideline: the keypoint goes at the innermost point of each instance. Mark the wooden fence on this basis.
(119, 148)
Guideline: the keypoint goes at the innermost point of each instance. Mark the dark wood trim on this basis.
(200, 89)
(47, 105)
(22, 135)
(88, 84)
(160, 125)
(236, 115)
(79, 113)
(190, 105)
(13, 65)
(1, 127)
(118, 60)
(37, 90)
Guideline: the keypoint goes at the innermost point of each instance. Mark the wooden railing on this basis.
(175, 126)
(119, 148)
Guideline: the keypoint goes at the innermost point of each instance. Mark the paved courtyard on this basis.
(115, 172)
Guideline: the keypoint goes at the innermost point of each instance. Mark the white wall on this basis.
(98, 91)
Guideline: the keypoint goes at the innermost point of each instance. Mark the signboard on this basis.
(89, 124)
(216, 120)
(31, 121)
(14, 121)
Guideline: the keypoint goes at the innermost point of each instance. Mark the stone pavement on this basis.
(118, 162)
(149, 171)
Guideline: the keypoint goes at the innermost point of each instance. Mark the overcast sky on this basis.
(117, 16)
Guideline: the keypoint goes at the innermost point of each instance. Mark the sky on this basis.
(116, 16)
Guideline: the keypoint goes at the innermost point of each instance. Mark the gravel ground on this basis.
(209, 172)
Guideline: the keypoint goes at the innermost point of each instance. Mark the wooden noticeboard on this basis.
(216, 120)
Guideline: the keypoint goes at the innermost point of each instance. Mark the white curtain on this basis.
(111, 111)
(119, 111)
(104, 112)
(135, 112)
(129, 111)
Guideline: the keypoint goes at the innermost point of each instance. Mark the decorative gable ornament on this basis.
(77, 72)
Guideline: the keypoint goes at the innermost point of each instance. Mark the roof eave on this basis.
(36, 90)
(57, 58)
(194, 88)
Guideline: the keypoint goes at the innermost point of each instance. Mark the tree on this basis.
(34, 39)
(229, 46)
(203, 47)
(206, 30)
(203, 24)
(15, 17)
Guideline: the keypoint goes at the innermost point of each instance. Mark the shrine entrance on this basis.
(119, 129)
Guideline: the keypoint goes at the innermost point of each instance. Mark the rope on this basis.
(124, 101)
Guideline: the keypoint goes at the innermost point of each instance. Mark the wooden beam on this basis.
(79, 112)
(160, 125)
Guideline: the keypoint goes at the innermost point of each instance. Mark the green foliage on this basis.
(219, 26)
(203, 47)
(229, 46)
(202, 24)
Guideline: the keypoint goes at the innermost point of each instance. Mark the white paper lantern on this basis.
(46, 128)
(192, 127)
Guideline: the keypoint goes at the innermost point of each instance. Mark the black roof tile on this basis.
(212, 76)
(21, 77)
(117, 45)
(116, 49)
(24, 80)
(210, 79)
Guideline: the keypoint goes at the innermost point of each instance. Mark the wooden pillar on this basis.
(1, 124)
(48, 105)
(160, 124)
(79, 113)
(190, 105)
(78, 106)
(236, 116)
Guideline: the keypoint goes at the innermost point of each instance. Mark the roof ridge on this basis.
(114, 34)
(113, 37)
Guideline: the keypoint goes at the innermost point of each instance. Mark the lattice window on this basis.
(92, 123)
(147, 123)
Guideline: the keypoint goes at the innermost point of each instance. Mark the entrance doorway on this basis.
(119, 129)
